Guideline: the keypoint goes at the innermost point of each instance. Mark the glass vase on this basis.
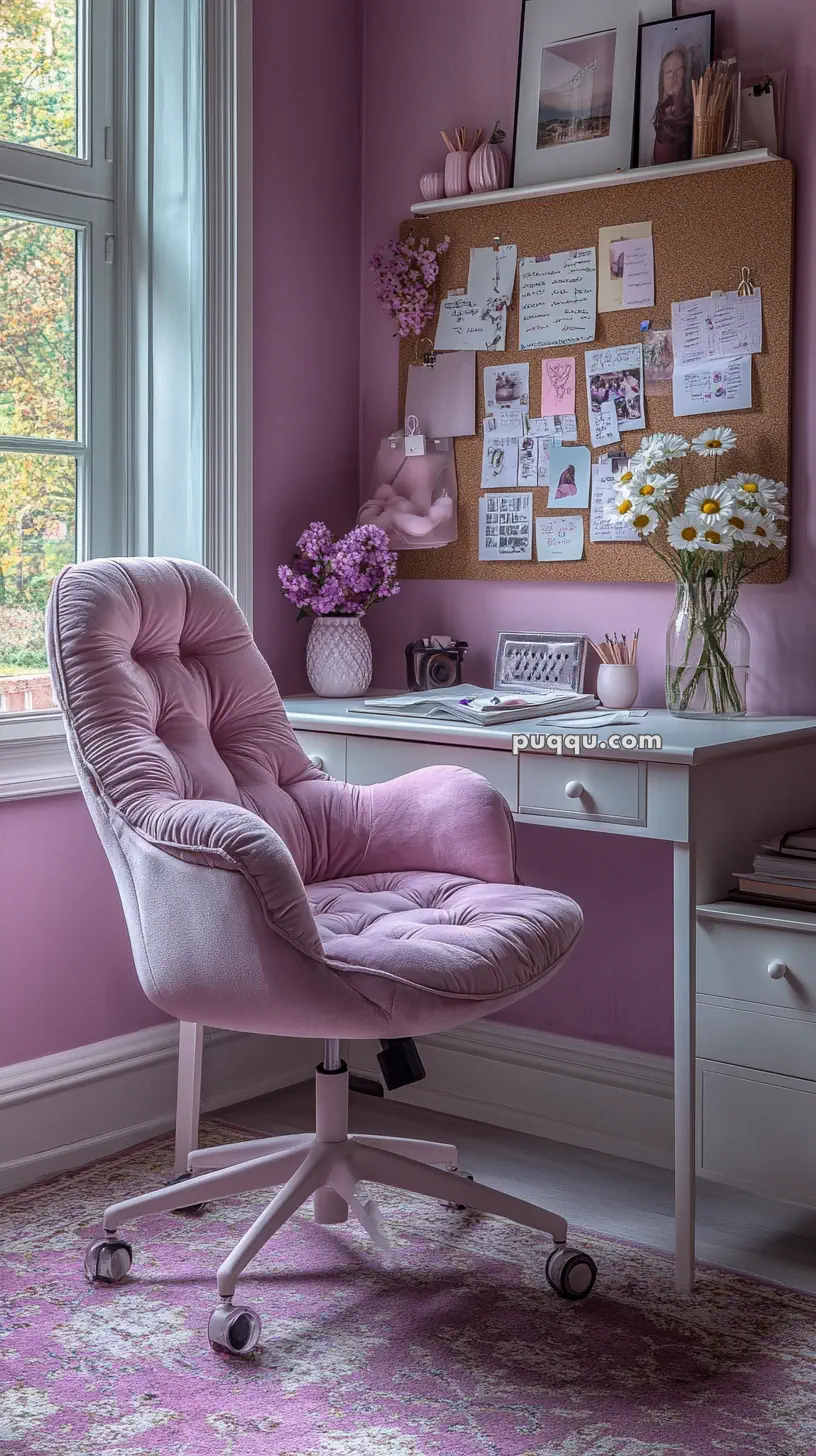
(707, 651)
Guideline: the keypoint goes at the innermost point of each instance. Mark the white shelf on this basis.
(780, 917)
(586, 184)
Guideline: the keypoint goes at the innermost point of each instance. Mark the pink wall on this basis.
(67, 972)
(308, 67)
(430, 65)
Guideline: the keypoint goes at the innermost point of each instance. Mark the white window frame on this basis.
(34, 758)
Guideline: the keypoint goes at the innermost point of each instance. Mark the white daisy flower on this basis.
(684, 532)
(644, 518)
(742, 521)
(656, 449)
(765, 532)
(714, 441)
(627, 477)
(717, 537)
(619, 509)
(758, 492)
(710, 502)
(654, 486)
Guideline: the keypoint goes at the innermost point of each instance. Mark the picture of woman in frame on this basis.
(671, 54)
(673, 120)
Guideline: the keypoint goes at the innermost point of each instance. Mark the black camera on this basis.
(434, 662)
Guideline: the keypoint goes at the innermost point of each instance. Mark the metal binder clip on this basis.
(429, 357)
(746, 287)
(496, 243)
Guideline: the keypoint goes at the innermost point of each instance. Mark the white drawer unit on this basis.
(326, 750)
(756, 1048)
(582, 788)
(373, 760)
(756, 1130)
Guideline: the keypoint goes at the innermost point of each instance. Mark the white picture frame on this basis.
(575, 101)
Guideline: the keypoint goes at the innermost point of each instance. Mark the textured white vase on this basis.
(338, 657)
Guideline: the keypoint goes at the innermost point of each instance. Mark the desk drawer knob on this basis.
(315, 760)
(777, 970)
(574, 789)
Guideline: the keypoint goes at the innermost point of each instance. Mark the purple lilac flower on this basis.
(340, 578)
(406, 274)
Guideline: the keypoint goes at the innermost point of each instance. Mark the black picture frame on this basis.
(673, 147)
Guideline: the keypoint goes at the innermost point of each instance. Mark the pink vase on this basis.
(432, 186)
(456, 174)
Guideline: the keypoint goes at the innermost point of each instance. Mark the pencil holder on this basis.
(456, 173)
(617, 685)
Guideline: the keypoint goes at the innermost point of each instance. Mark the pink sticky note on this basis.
(558, 386)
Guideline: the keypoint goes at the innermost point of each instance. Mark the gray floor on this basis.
(592, 1190)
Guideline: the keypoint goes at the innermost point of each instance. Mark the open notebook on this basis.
(470, 704)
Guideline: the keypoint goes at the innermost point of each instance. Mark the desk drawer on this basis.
(733, 960)
(373, 760)
(329, 748)
(756, 1130)
(747, 1036)
(614, 791)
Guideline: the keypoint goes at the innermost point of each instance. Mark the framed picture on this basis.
(530, 661)
(671, 53)
(576, 88)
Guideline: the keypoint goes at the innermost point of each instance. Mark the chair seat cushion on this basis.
(446, 935)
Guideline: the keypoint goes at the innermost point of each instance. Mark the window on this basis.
(56, 318)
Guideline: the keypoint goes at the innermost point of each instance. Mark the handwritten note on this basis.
(557, 386)
(470, 323)
(603, 425)
(559, 538)
(508, 422)
(506, 527)
(543, 462)
(500, 458)
(720, 327)
(569, 477)
(638, 273)
(603, 494)
(611, 262)
(557, 299)
(554, 427)
(528, 461)
(707, 389)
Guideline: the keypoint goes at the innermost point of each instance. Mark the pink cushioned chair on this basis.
(263, 896)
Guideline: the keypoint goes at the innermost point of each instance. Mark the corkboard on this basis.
(706, 227)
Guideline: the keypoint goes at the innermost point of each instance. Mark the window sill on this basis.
(34, 757)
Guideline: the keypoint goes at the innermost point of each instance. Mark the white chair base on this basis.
(327, 1167)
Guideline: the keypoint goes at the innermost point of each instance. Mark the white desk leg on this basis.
(188, 1102)
(685, 931)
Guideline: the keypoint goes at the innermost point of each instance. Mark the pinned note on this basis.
(558, 386)
(708, 389)
(507, 387)
(528, 461)
(506, 527)
(616, 374)
(611, 263)
(554, 427)
(604, 425)
(559, 538)
(557, 299)
(509, 422)
(638, 273)
(569, 477)
(604, 475)
(500, 456)
(470, 323)
(723, 326)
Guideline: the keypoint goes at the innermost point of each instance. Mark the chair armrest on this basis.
(442, 818)
(227, 836)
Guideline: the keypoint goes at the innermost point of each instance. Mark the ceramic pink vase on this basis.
(456, 174)
(432, 186)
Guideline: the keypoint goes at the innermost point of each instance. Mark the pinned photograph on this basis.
(658, 361)
(617, 374)
(507, 387)
(569, 477)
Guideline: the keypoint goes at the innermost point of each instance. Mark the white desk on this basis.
(712, 789)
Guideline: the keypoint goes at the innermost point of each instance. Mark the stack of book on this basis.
(784, 872)
(469, 704)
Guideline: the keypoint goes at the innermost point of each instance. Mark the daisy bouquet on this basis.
(711, 541)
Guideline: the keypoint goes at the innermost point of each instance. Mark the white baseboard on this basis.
(580, 1092)
(62, 1111)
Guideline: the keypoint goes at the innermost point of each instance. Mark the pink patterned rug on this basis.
(451, 1346)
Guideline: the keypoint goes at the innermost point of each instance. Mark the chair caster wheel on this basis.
(107, 1261)
(234, 1329)
(191, 1210)
(570, 1272)
(459, 1207)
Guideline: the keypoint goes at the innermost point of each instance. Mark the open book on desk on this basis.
(469, 704)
